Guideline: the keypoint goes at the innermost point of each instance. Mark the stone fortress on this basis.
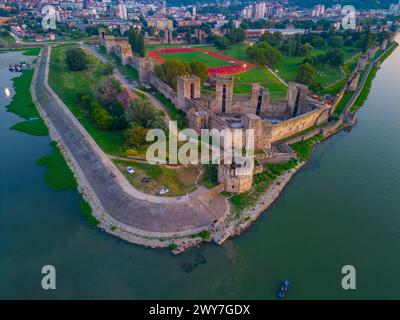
(119, 46)
(273, 121)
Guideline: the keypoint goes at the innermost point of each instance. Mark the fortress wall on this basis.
(277, 109)
(161, 86)
(293, 126)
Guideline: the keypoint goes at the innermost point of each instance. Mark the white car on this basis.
(163, 191)
(130, 170)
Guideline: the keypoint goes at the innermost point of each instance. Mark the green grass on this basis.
(32, 52)
(6, 38)
(86, 211)
(261, 182)
(209, 60)
(210, 176)
(178, 180)
(259, 74)
(388, 52)
(35, 127)
(343, 102)
(68, 85)
(326, 75)
(205, 235)
(304, 148)
(244, 80)
(22, 104)
(174, 113)
(127, 71)
(365, 91)
(58, 175)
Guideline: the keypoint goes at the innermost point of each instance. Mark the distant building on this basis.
(159, 23)
(122, 13)
(259, 10)
(318, 10)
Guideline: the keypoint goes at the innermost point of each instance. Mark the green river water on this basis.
(342, 208)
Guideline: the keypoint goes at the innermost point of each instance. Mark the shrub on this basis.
(102, 118)
(76, 59)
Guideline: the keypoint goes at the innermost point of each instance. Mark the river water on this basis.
(342, 208)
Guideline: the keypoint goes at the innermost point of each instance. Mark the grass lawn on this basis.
(179, 181)
(259, 74)
(326, 75)
(365, 91)
(6, 38)
(58, 175)
(343, 102)
(244, 80)
(304, 148)
(32, 52)
(68, 85)
(209, 60)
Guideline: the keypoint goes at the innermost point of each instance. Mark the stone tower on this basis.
(223, 95)
(188, 88)
(145, 67)
(297, 98)
(235, 177)
(259, 99)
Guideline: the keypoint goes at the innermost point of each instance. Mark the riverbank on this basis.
(180, 243)
(250, 214)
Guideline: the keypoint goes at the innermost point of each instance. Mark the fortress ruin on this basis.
(273, 121)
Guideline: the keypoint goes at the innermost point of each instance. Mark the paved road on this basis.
(116, 195)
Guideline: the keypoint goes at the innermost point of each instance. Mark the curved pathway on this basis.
(118, 199)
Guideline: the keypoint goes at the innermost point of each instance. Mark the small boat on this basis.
(283, 289)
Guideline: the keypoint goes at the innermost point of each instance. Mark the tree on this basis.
(106, 92)
(142, 112)
(336, 42)
(76, 59)
(108, 69)
(170, 70)
(136, 40)
(335, 58)
(237, 35)
(306, 49)
(274, 39)
(306, 74)
(135, 136)
(222, 43)
(264, 54)
(102, 118)
(199, 69)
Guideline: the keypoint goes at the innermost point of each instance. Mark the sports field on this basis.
(209, 60)
(215, 61)
(227, 62)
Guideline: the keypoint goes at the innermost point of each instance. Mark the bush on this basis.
(142, 112)
(102, 118)
(205, 235)
(199, 69)
(171, 69)
(76, 59)
(135, 136)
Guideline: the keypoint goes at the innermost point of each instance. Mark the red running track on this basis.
(237, 67)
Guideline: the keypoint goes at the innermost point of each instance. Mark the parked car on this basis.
(163, 191)
(144, 180)
(130, 170)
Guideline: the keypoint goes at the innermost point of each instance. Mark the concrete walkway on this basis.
(118, 198)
